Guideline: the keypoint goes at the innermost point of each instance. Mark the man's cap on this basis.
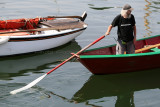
(127, 7)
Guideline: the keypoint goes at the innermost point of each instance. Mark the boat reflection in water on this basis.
(18, 65)
(122, 86)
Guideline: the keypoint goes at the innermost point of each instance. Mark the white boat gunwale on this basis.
(42, 36)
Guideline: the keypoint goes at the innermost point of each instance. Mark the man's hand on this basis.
(107, 33)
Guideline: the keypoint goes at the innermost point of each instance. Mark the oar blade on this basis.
(29, 85)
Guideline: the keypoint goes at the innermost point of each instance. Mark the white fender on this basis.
(4, 39)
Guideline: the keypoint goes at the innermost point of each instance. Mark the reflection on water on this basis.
(100, 8)
(92, 6)
(150, 8)
(123, 86)
(147, 14)
(156, 7)
(18, 65)
(157, 3)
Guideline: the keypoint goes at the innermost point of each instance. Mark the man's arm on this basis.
(108, 30)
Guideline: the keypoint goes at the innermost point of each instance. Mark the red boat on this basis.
(104, 60)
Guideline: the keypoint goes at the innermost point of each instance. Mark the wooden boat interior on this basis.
(63, 24)
(111, 50)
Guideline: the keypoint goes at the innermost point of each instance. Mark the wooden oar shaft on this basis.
(147, 48)
(76, 54)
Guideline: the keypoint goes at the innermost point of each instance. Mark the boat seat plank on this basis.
(63, 24)
(155, 49)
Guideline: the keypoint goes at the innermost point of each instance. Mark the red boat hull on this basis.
(119, 65)
(104, 60)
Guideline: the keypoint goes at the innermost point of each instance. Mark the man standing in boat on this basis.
(126, 30)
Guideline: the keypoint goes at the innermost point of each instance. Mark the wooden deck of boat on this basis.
(63, 24)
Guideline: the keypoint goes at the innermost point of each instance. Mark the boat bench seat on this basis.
(155, 49)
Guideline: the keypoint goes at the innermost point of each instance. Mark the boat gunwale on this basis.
(115, 44)
(43, 36)
(120, 55)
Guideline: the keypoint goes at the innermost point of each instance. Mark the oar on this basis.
(147, 48)
(40, 78)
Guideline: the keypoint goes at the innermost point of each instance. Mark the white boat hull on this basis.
(33, 43)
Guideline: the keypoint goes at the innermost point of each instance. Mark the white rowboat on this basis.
(48, 34)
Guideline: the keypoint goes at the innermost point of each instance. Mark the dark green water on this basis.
(72, 85)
